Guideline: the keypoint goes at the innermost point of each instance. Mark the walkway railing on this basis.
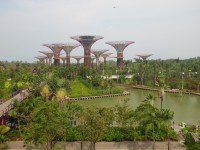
(8, 105)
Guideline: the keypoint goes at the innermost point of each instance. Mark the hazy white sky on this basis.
(165, 28)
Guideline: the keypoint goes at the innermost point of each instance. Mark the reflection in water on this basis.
(185, 107)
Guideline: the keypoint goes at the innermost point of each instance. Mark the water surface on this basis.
(186, 108)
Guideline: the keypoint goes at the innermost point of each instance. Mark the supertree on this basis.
(49, 56)
(105, 56)
(56, 48)
(78, 58)
(41, 58)
(87, 41)
(97, 54)
(92, 60)
(144, 56)
(63, 58)
(68, 47)
(119, 47)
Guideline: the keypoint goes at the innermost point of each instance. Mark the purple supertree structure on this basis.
(87, 41)
(49, 56)
(63, 58)
(78, 58)
(119, 47)
(92, 61)
(41, 58)
(97, 54)
(56, 48)
(144, 56)
(105, 56)
(68, 48)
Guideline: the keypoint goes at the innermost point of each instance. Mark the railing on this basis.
(8, 105)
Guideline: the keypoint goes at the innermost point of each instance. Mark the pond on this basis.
(186, 108)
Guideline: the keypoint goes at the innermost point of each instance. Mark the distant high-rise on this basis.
(119, 47)
(87, 41)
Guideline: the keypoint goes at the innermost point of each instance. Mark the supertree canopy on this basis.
(41, 58)
(78, 58)
(144, 56)
(48, 54)
(68, 47)
(87, 41)
(56, 48)
(105, 56)
(119, 47)
(97, 54)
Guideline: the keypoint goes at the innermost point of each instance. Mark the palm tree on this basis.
(166, 116)
(45, 91)
(61, 94)
(161, 84)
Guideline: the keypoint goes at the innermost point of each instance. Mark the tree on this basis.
(47, 123)
(124, 114)
(3, 139)
(161, 84)
(45, 91)
(96, 121)
(147, 116)
(21, 112)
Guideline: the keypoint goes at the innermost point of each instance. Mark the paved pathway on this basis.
(7, 105)
(125, 145)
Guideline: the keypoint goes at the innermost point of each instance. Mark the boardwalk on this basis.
(7, 105)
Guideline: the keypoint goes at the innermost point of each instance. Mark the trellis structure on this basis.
(68, 47)
(119, 47)
(56, 48)
(97, 54)
(87, 41)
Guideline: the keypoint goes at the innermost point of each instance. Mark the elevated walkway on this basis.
(7, 105)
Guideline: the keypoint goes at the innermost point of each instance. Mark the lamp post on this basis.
(182, 81)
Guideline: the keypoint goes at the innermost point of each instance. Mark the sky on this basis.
(165, 28)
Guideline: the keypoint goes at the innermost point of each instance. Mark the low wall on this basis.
(101, 96)
(169, 91)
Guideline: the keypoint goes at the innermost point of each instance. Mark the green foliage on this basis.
(124, 114)
(47, 123)
(114, 134)
(73, 134)
(78, 89)
(3, 139)
(189, 140)
(196, 146)
(191, 128)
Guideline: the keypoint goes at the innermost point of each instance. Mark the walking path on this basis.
(169, 90)
(7, 105)
(125, 145)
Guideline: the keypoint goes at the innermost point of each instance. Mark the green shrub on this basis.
(114, 134)
(196, 146)
(73, 134)
(189, 140)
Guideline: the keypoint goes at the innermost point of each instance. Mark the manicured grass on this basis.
(78, 89)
